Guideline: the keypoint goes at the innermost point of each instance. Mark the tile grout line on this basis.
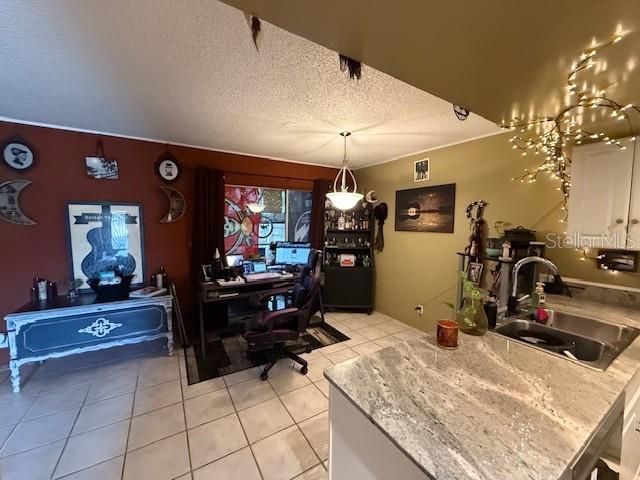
(66, 442)
(184, 416)
(126, 443)
(298, 425)
(245, 433)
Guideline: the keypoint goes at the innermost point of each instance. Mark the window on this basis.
(286, 217)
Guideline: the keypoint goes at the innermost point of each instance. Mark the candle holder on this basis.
(447, 334)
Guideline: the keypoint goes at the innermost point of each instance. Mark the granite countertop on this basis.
(493, 408)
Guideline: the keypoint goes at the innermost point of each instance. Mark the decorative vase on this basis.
(471, 318)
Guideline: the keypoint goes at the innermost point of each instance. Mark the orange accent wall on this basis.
(59, 177)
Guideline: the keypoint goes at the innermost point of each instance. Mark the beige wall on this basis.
(421, 267)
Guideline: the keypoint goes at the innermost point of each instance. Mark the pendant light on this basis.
(344, 199)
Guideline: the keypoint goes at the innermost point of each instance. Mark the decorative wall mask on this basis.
(255, 30)
(10, 202)
(18, 155)
(177, 205)
(461, 113)
(168, 167)
(353, 67)
(477, 245)
(479, 206)
(99, 166)
(380, 213)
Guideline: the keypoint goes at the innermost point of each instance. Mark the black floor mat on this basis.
(228, 355)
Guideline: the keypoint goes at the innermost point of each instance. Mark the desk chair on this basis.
(271, 330)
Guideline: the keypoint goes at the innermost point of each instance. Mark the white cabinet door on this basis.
(633, 238)
(630, 451)
(600, 195)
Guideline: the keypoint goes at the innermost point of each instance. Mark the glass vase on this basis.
(471, 318)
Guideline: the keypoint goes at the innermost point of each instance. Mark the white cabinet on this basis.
(603, 205)
(630, 454)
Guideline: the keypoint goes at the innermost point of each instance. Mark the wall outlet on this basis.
(420, 309)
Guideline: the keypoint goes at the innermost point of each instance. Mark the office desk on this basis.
(211, 292)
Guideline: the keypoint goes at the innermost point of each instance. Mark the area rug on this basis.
(228, 355)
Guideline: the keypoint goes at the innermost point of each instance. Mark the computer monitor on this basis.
(292, 253)
(259, 266)
(234, 260)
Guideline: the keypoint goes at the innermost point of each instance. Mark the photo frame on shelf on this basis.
(474, 272)
(105, 236)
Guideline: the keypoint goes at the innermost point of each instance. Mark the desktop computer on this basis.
(292, 253)
(234, 260)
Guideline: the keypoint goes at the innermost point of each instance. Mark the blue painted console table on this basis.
(62, 327)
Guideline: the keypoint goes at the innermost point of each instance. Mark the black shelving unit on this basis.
(348, 233)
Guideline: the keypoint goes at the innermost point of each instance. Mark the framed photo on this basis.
(474, 272)
(207, 272)
(426, 209)
(168, 168)
(101, 168)
(105, 236)
(18, 155)
(421, 170)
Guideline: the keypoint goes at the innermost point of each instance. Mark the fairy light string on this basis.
(564, 129)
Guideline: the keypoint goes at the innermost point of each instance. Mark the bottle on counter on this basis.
(537, 294)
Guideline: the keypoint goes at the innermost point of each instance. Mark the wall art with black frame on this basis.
(105, 236)
(426, 209)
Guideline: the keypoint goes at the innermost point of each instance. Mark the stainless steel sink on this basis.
(592, 328)
(584, 340)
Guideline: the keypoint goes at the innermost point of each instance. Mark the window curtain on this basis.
(319, 197)
(207, 235)
(208, 218)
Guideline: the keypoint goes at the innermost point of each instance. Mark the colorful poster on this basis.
(241, 226)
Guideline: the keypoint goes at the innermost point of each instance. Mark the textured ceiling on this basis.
(498, 58)
(187, 72)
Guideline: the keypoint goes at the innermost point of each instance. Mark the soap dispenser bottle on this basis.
(538, 296)
(535, 296)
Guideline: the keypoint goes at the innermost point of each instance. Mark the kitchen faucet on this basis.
(513, 300)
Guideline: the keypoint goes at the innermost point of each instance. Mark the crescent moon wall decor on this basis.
(371, 197)
(177, 205)
(10, 202)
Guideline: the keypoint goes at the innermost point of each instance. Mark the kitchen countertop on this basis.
(493, 408)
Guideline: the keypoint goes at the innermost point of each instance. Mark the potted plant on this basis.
(471, 317)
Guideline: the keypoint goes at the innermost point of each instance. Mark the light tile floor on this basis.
(128, 413)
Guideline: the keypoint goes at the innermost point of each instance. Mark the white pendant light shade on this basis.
(344, 199)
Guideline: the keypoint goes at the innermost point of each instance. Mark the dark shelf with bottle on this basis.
(336, 230)
(348, 258)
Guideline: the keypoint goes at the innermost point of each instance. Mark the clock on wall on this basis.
(18, 155)
(168, 168)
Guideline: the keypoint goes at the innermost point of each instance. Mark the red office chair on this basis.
(272, 330)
